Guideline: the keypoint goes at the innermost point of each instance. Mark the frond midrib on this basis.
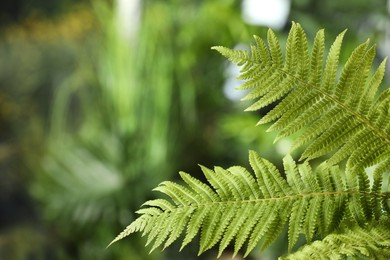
(340, 104)
(352, 112)
(287, 197)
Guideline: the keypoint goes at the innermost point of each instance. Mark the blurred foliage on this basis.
(363, 20)
(16, 10)
(121, 113)
(359, 16)
(35, 56)
(91, 121)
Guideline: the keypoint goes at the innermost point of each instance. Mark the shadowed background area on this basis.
(100, 101)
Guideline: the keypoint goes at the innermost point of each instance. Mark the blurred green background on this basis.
(102, 100)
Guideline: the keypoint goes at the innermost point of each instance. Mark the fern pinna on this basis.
(344, 211)
(247, 209)
(372, 242)
(343, 114)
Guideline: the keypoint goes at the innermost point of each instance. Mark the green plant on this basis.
(339, 120)
(115, 119)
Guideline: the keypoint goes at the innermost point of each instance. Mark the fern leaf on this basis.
(238, 207)
(178, 226)
(247, 229)
(372, 242)
(295, 226)
(275, 227)
(211, 223)
(268, 217)
(235, 225)
(195, 223)
(228, 214)
(136, 226)
(311, 218)
(336, 113)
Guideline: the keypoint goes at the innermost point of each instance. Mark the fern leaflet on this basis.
(245, 208)
(343, 114)
(372, 242)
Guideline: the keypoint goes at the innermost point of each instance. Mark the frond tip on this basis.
(241, 208)
(340, 116)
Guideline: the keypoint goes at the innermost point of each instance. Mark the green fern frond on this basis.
(335, 115)
(243, 209)
(371, 242)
